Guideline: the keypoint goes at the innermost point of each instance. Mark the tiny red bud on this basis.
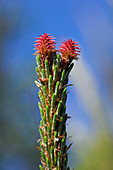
(44, 44)
(69, 50)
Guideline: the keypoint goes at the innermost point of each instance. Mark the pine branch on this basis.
(53, 72)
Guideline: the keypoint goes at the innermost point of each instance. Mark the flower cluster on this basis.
(45, 44)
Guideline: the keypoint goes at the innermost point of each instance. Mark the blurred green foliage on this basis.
(100, 156)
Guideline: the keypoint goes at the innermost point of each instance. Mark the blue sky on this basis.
(87, 21)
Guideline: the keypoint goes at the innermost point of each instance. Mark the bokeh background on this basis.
(90, 104)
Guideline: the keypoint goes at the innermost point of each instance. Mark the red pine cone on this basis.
(70, 50)
(45, 44)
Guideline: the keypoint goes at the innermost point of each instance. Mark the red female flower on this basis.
(70, 50)
(45, 44)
